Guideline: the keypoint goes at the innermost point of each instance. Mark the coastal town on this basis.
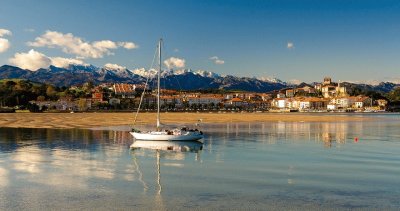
(327, 96)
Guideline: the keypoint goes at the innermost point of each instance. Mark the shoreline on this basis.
(92, 120)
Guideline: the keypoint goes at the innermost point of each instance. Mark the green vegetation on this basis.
(18, 93)
(394, 95)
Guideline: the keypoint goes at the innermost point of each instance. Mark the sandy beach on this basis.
(92, 120)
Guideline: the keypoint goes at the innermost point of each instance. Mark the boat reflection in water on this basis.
(177, 146)
(162, 147)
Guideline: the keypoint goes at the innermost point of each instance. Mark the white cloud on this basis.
(290, 45)
(128, 45)
(4, 32)
(32, 60)
(174, 62)
(114, 66)
(4, 45)
(217, 60)
(70, 44)
(65, 62)
(104, 45)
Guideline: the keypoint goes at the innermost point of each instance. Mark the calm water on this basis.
(342, 165)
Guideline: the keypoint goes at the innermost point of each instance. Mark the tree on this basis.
(82, 105)
(394, 95)
(41, 98)
(51, 91)
(33, 107)
(88, 86)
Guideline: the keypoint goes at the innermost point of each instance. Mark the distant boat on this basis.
(162, 134)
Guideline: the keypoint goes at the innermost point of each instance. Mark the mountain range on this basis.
(185, 79)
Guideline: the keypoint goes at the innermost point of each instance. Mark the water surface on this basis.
(281, 165)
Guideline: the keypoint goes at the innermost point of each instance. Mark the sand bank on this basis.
(91, 120)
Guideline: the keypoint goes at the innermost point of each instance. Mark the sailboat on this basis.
(162, 134)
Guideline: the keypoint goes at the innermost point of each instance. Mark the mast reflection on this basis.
(164, 147)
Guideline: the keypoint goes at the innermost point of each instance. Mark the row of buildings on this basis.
(325, 96)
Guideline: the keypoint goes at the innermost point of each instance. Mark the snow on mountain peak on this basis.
(207, 74)
(110, 66)
(144, 73)
(269, 79)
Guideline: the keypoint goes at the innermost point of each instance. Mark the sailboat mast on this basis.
(158, 84)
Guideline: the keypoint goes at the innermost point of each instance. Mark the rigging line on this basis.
(144, 90)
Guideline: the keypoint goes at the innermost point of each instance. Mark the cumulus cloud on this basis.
(65, 62)
(174, 62)
(4, 32)
(4, 43)
(104, 45)
(217, 60)
(290, 45)
(114, 66)
(34, 60)
(128, 45)
(71, 44)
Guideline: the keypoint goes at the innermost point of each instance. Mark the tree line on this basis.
(18, 93)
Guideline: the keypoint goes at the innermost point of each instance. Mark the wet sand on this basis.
(92, 120)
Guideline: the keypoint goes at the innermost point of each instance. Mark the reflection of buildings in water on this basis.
(118, 137)
(273, 132)
(335, 132)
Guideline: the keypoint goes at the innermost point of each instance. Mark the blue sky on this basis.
(348, 40)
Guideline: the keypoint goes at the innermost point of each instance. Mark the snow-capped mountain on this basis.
(144, 73)
(185, 79)
(270, 79)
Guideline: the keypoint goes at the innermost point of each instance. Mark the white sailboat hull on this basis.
(161, 136)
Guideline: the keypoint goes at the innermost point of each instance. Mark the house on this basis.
(171, 100)
(330, 89)
(313, 103)
(266, 97)
(280, 103)
(125, 90)
(362, 101)
(382, 103)
(281, 95)
(305, 90)
(234, 102)
(351, 102)
(205, 99)
(290, 92)
(332, 107)
(97, 97)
